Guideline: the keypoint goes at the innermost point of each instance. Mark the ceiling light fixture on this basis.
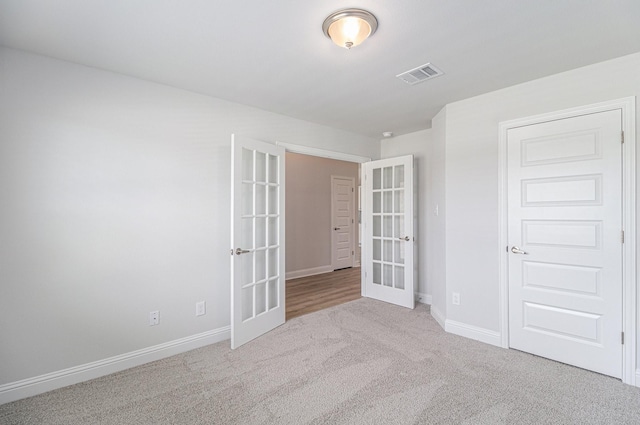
(349, 27)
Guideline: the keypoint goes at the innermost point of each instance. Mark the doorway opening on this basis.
(322, 233)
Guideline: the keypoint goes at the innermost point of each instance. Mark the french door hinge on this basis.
(622, 236)
(622, 338)
(352, 190)
(622, 136)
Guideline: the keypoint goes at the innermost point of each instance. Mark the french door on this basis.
(257, 239)
(388, 241)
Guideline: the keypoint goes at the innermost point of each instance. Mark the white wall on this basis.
(308, 211)
(437, 220)
(416, 144)
(115, 201)
(472, 252)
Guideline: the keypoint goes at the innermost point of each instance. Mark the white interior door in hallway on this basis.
(342, 222)
(257, 239)
(565, 248)
(388, 240)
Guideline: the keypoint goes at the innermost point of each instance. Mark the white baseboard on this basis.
(473, 332)
(637, 383)
(308, 272)
(423, 298)
(73, 375)
(438, 316)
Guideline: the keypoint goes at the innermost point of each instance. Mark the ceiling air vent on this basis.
(420, 74)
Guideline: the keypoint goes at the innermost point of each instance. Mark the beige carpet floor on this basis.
(364, 362)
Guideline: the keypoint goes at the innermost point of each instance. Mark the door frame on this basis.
(353, 220)
(629, 291)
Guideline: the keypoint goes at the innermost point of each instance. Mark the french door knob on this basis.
(517, 250)
(240, 251)
(406, 238)
(336, 228)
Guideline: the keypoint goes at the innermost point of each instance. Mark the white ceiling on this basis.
(274, 56)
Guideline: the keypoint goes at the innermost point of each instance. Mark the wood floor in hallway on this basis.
(308, 294)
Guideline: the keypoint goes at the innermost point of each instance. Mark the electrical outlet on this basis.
(455, 298)
(154, 318)
(201, 308)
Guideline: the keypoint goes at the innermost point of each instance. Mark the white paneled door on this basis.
(342, 222)
(388, 241)
(565, 240)
(257, 239)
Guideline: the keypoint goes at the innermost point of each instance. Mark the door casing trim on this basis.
(629, 291)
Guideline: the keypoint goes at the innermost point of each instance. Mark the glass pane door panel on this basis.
(377, 179)
(261, 298)
(377, 226)
(399, 176)
(247, 164)
(273, 199)
(387, 178)
(247, 303)
(273, 231)
(261, 265)
(377, 273)
(247, 268)
(377, 249)
(273, 294)
(261, 167)
(398, 226)
(387, 228)
(247, 233)
(399, 277)
(399, 252)
(387, 201)
(261, 199)
(273, 262)
(398, 201)
(377, 197)
(247, 198)
(273, 169)
(387, 278)
(261, 230)
(387, 251)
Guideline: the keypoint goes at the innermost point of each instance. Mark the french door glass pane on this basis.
(377, 179)
(377, 273)
(261, 167)
(247, 198)
(377, 249)
(247, 233)
(377, 225)
(377, 196)
(261, 298)
(387, 278)
(273, 169)
(273, 199)
(273, 262)
(387, 178)
(399, 277)
(247, 303)
(387, 202)
(273, 231)
(261, 265)
(247, 164)
(399, 176)
(273, 294)
(261, 199)
(261, 229)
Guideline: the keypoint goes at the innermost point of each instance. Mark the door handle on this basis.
(240, 251)
(406, 238)
(336, 228)
(517, 250)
